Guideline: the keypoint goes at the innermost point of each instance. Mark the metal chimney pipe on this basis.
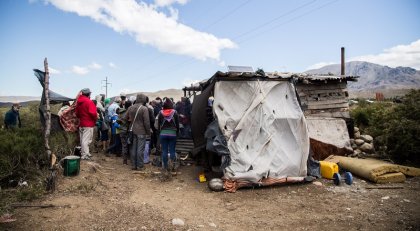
(343, 64)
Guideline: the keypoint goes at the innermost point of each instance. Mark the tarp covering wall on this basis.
(265, 128)
(54, 98)
(199, 117)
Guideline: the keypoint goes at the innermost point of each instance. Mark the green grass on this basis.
(23, 156)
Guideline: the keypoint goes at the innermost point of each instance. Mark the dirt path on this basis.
(116, 198)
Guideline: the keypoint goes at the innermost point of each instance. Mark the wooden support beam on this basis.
(47, 112)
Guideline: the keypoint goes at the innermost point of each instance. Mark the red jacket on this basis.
(86, 112)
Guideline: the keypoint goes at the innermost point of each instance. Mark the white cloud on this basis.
(95, 66)
(169, 2)
(319, 65)
(150, 26)
(173, 13)
(112, 65)
(54, 71)
(80, 70)
(401, 55)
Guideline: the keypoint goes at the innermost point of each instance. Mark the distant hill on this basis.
(7, 101)
(24, 104)
(176, 94)
(18, 99)
(374, 77)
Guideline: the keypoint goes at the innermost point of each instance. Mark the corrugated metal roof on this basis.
(323, 77)
(300, 77)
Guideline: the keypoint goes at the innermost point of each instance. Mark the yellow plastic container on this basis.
(202, 178)
(328, 169)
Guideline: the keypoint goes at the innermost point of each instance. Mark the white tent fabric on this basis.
(265, 129)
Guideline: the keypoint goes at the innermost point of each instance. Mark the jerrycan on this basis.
(328, 169)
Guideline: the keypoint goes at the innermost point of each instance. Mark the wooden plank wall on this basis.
(324, 99)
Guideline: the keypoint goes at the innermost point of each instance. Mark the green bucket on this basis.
(71, 165)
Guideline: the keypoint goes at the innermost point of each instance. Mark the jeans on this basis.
(137, 150)
(124, 148)
(167, 142)
(116, 146)
(147, 152)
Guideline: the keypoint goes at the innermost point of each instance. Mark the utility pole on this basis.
(106, 86)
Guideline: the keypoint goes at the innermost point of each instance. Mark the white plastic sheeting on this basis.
(265, 129)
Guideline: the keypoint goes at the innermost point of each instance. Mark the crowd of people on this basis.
(132, 127)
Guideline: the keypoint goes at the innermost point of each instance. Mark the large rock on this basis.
(366, 147)
(357, 152)
(356, 129)
(367, 138)
(178, 221)
(359, 142)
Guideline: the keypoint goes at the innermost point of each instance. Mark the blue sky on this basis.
(154, 45)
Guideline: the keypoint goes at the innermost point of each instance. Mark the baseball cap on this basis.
(86, 91)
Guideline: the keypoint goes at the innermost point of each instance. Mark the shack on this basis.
(254, 125)
(324, 102)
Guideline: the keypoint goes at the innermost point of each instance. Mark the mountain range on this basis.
(374, 77)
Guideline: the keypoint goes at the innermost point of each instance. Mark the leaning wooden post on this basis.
(47, 112)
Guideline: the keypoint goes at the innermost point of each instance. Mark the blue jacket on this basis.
(114, 124)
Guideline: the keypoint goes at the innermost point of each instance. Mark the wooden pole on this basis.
(47, 111)
(343, 62)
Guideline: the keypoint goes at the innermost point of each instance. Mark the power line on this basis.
(179, 65)
(288, 21)
(274, 19)
(163, 72)
(227, 14)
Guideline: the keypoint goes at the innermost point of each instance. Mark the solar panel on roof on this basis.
(240, 69)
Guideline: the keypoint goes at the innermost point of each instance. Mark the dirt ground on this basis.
(116, 198)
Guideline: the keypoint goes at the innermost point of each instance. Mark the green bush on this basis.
(23, 156)
(396, 127)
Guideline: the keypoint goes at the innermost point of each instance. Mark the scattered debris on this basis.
(317, 183)
(23, 184)
(6, 218)
(95, 167)
(385, 198)
(384, 187)
(178, 221)
(216, 184)
(40, 206)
